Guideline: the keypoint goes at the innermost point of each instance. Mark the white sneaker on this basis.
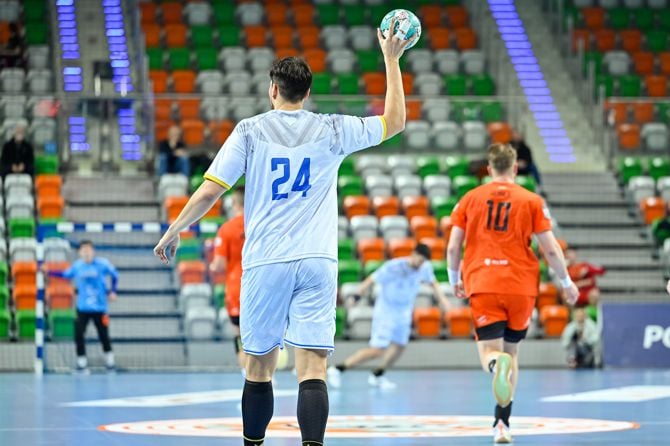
(501, 434)
(382, 382)
(334, 377)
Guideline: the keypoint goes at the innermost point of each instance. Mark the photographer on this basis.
(580, 338)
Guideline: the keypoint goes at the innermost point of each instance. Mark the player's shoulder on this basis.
(247, 125)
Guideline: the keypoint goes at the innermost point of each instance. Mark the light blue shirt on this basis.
(90, 282)
(400, 284)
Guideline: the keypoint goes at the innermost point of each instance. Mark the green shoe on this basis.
(502, 387)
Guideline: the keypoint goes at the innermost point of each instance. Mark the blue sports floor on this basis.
(454, 407)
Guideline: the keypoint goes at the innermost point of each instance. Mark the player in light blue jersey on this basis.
(392, 318)
(290, 158)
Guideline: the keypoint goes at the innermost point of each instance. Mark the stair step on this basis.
(633, 281)
(571, 217)
(138, 304)
(142, 328)
(605, 238)
(126, 240)
(153, 282)
(107, 213)
(109, 190)
(617, 258)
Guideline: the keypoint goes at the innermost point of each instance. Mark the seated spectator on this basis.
(580, 338)
(18, 155)
(172, 156)
(584, 274)
(11, 54)
(525, 159)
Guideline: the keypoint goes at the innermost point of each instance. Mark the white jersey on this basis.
(400, 285)
(291, 159)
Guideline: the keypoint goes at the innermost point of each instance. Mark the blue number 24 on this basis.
(301, 183)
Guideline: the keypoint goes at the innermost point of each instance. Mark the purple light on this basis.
(71, 70)
(537, 91)
(115, 39)
(523, 60)
(533, 83)
(559, 150)
(514, 38)
(114, 32)
(122, 47)
(121, 71)
(72, 87)
(532, 76)
(542, 108)
(112, 10)
(70, 47)
(505, 15)
(68, 40)
(65, 9)
(64, 2)
(509, 22)
(126, 112)
(66, 16)
(127, 122)
(71, 55)
(549, 133)
(120, 63)
(518, 45)
(563, 158)
(76, 120)
(77, 138)
(72, 79)
(527, 68)
(556, 142)
(511, 30)
(79, 147)
(549, 124)
(503, 8)
(520, 52)
(112, 16)
(75, 129)
(68, 32)
(548, 116)
(130, 138)
(126, 87)
(127, 129)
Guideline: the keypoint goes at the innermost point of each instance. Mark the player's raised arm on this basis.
(554, 255)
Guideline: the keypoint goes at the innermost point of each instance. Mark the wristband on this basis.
(566, 283)
(454, 276)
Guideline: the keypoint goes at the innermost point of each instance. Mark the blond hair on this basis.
(501, 157)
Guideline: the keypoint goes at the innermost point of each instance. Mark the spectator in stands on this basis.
(89, 274)
(580, 338)
(584, 274)
(11, 54)
(172, 156)
(525, 159)
(18, 155)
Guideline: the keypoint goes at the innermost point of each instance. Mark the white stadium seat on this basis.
(447, 135)
(198, 13)
(22, 249)
(233, 58)
(379, 185)
(655, 135)
(18, 184)
(210, 81)
(364, 226)
(172, 185)
(394, 226)
(418, 135)
(437, 186)
(56, 249)
(200, 323)
(640, 187)
(401, 164)
(359, 319)
(407, 185)
(194, 295)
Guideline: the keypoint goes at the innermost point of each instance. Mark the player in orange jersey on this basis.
(228, 258)
(500, 271)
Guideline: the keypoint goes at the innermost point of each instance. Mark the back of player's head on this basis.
(293, 77)
(501, 157)
(423, 251)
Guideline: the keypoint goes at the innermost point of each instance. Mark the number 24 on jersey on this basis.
(300, 183)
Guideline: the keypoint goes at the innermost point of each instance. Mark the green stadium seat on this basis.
(61, 324)
(340, 321)
(369, 60)
(629, 167)
(350, 185)
(440, 270)
(229, 35)
(155, 56)
(663, 112)
(52, 232)
(393, 142)
(346, 249)
(443, 206)
(659, 230)
(25, 324)
(179, 58)
(544, 272)
(329, 14)
(195, 182)
(36, 33)
(465, 111)
(4, 295)
(427, 165)
(371, 266)
(619, 18)
(592, 312)
(34, 11)
(21, 227)
(664, 18)
(349, 271)
(592, 58)
(492, 112)
(462, 184)
(206, 59)
(224, 13)
(457, 165)
(189, 249)
(659, 167)
(455, 84)
(643, 18)
(4, 274)
(354, 15)
(321, 83)
(657, 40)
(483, 85)
(348, 167)
(5, 322)
(347, 83)
(570, 15)
(630, 85)
(217, 221)
(377, 12)
(46, 164)
(526, 182)
(219, 296)
(327, 106)
(604, 81)
(202, 36)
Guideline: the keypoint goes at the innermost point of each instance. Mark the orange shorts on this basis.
(233, 298)
(501, 316)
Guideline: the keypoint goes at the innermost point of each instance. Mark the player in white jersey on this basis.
(289, 283)
(392, 318)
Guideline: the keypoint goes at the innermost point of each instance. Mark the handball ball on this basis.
(407, 25)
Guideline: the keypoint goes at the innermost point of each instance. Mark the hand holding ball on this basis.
(406, 26)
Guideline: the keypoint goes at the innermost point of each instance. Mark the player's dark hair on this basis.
(293, 77)
(85, 242)
(423, 250)
(501, 157)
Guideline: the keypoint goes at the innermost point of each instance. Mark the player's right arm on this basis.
(554, 255)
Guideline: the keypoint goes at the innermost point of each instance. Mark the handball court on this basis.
(631, 407)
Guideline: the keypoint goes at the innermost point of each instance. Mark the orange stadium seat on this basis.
(308, 37)
(384, 206)
(657, 87)
(466, 39)
(375, 83)
(50, 206)
(48, 185)
(255, 36)
(282, 36)
(439, 38)
(427, 322)
(5, 33)
(458, 16)
(459, 321)
(148, 12)
(431, 16)
(183, 81)
(152, 35)
(370, 249)
(215, 210)
(643, 112)
(413, 108)
(407, 82)
(275, 14)
(631, 40)
(664, 63)
(445, 227)
(286, 52)
(618, 110)
(175, 35)
(594, 17)
(59, 295)
(56, 266)
(401, 247)
(581, 37)
(161, 129)
(159, 80)
(303, 14)
(547, 294)
(192, 271)
(500, 132)
(24, 273)
(643, 61)
(652, 208)
(220, 130)
(25, 296)
(423, 226)
(193, 132)
(437, 245)
(605, 40)
(356, 205)
(414, 206)
(554, 318)
(629, 136)
(172, 12)
(162, 109)
(173, 206)
(189, 108)
(316, 58)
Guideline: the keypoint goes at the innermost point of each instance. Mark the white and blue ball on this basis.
(407, 25)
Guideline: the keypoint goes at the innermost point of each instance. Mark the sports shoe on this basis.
(382, 382)
(502, 386)
(501, 434)
(334, 377)
(82, 371)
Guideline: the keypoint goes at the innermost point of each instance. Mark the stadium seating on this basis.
(554, 318)
(427, 322)
(459, 322)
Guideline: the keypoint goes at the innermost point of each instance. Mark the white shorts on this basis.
(292, 302)
(386, 330)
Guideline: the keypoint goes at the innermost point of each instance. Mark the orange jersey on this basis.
(228, 244)
(499, 219)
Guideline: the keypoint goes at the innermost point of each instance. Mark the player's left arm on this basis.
(114, 279)
(454, 250)
(441, 298)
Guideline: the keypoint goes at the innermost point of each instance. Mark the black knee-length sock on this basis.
(313, 411)
(257, 409)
